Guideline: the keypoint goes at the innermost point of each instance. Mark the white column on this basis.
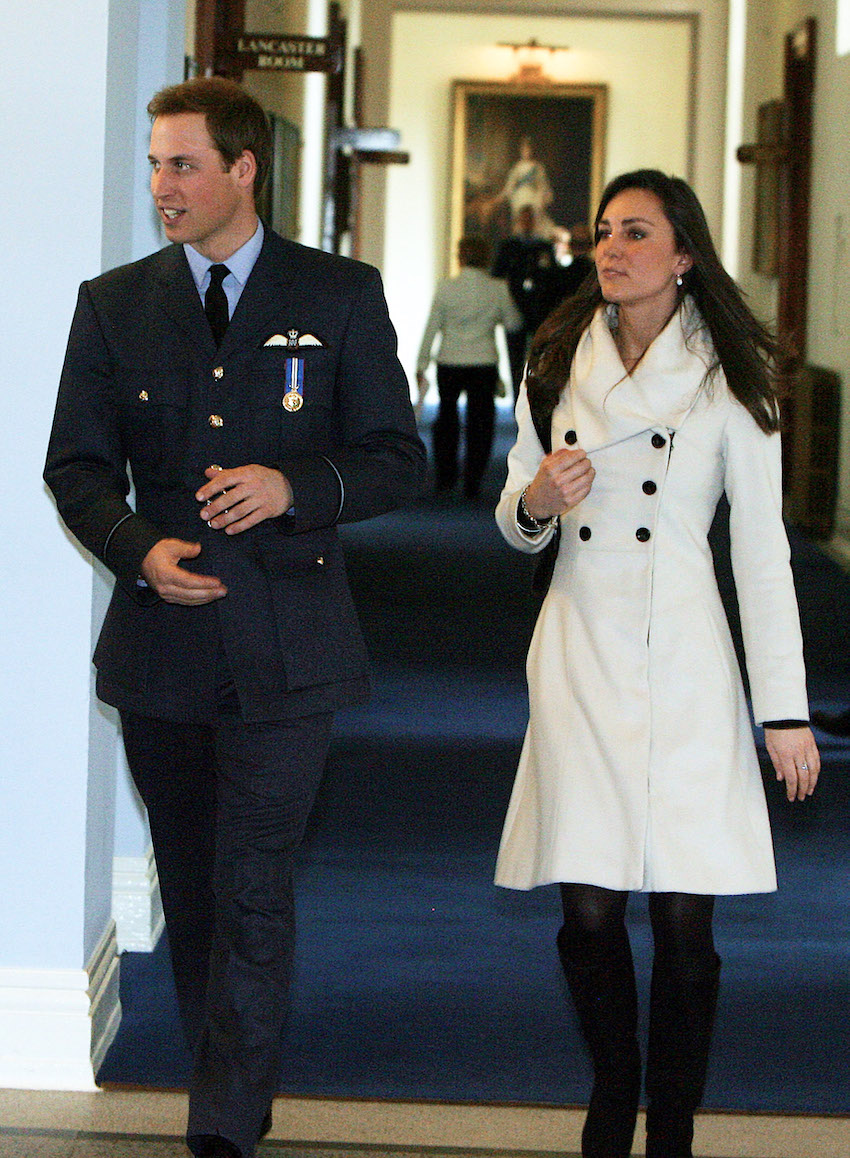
(736, 52)
(313, 135)
(136, 900)
(156, 28)
(70, 75)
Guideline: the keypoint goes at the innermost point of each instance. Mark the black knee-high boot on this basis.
(683, 1000)
(605, 998)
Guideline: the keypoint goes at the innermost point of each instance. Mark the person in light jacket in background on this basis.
(647, 395)
(465, 313)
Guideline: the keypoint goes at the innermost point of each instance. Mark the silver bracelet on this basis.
(536, 524)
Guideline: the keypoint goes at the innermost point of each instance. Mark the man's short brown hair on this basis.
(234, 120)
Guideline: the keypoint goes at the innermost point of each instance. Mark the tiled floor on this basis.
(137, 1123)
(68, 1144)
(38, 1144)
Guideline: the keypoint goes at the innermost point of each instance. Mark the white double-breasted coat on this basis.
(639, 768)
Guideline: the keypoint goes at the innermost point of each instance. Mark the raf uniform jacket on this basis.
(532, 274)
(144, 387)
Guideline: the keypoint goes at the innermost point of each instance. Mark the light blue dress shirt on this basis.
(239, 263)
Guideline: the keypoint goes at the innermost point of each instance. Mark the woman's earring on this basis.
(678, 279)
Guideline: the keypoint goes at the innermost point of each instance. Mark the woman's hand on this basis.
(796, 759)
(563, 479)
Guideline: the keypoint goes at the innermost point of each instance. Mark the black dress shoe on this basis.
(215, 1147)
(837, 724)
(219, 1148)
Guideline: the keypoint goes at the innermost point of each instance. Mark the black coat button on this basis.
(571, 437)
(642, 534)
(584, 533)
(649, 487)
(658, 440)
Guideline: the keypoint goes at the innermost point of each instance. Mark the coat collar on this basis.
(177, 296)
(257, 313)
(609, 405)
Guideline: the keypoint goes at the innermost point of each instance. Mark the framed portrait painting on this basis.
(524, 149)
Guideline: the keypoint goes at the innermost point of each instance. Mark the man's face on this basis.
(198, 199)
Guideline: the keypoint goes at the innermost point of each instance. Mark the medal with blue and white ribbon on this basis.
(293, 399)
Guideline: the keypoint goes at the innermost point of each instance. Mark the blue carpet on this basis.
(415, 977)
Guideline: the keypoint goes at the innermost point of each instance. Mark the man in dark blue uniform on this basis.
(529, 264)
(252, 388)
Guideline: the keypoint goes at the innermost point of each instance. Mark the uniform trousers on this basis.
(479, 383)
(228, 803)
(517, 343)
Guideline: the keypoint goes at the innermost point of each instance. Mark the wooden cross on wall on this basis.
(348, 150)
(768, 155)
(782, 156)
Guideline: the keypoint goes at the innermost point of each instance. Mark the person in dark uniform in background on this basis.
(231, 636)
(528, 263)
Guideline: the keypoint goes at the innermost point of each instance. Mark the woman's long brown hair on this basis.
(746, 350)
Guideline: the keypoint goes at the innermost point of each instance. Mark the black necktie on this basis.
(215, 303)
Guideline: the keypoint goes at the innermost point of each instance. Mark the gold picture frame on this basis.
(514, 144)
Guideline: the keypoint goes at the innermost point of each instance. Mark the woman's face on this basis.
(636, 257)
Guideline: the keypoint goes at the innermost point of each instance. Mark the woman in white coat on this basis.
(647, 396)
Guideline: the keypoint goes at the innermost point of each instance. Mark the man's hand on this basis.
(162, 572)
(243, 496)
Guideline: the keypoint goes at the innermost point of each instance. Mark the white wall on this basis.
(131, 230)
(54, 195)
(66, 112)
(765, 27)
(648, 123)
(56, 204)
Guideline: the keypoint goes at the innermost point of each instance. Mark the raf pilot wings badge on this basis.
(293, 398)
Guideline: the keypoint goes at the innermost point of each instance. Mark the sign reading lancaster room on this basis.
(288, 53)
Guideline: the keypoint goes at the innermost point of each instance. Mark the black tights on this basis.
(595, 952)
(594, 923)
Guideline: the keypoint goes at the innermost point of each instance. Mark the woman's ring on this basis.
(804, 767)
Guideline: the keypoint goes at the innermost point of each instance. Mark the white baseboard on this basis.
(136, 903)
(57, 1024)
